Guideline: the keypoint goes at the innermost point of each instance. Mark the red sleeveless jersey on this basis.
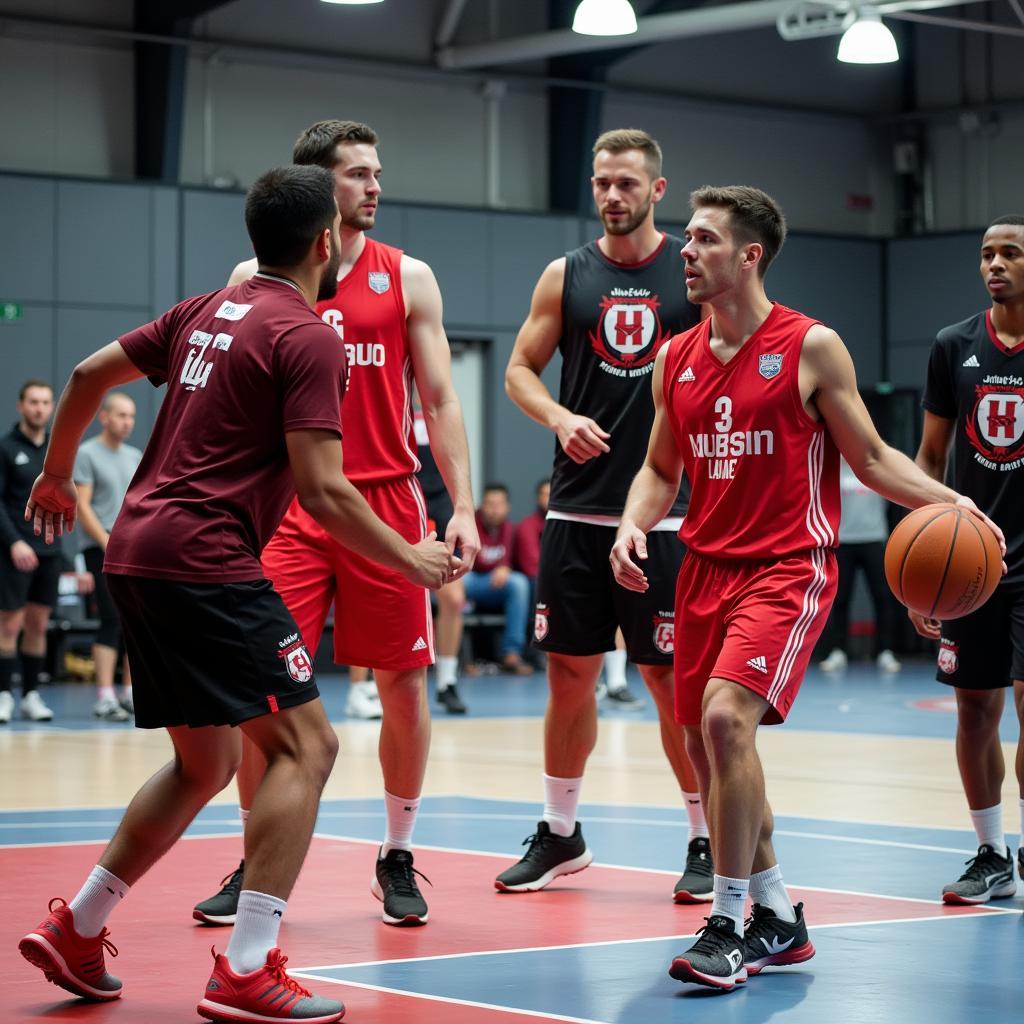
(764, 475)
(369, 315)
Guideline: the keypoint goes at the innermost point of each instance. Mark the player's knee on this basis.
(452, 598)
(724, 727)
(979, 714)
(325, 754)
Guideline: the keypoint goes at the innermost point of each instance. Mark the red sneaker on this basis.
(68, 959)
(268, 994)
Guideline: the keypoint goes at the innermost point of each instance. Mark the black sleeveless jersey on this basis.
(615, 318)
(974, 379)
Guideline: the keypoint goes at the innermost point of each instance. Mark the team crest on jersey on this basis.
(540, 622)
(949, 657)
(629, 332)
(769, 364)
(379, 281)
(995, 427)
(297, 661)
(665, 632)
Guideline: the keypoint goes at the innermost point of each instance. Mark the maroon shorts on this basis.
(755, 623)
(381, 620)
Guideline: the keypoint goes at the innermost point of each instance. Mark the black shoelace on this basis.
(759, 922)
(713, 940)
(982, 864)
(232, 884)
(400, 876)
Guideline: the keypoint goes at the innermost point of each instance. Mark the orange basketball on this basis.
(942, 562)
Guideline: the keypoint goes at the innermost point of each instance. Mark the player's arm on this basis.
(91, 525)
(936, 440)
(581, 438)
(324, 492)
(652, 493)
(242, 272)
(442, 411)
(53, 503)
(826, 369)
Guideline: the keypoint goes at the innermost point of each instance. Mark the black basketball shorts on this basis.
(18, 588)
(579, 604)
(985, 650)
(210, 654)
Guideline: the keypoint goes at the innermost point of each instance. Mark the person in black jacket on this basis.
(29, 571)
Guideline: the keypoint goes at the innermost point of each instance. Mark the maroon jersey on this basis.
(243, 366)
(495, 545)
(764, 475)
(369, 315)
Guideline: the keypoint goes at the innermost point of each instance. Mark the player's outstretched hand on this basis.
(966, 503)
(581, 438)
(462, 536)
(930, 629)
(52, 506)
(631, 544)
(434, 563)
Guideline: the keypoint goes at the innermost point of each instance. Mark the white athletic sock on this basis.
(401, 820)
(615, 669)
(105, 693)
(560, 799)
(695, 812)
(243, 816)
(95, 901)
(767, 889)
(730, 899)
(988, 826)
(255, 932)
(447, 671)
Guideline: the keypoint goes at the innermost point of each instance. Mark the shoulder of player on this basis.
(961, 332)
(551, 282)
(243, 271)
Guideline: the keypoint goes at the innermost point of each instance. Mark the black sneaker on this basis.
(989, 876)
(222, 908)
(698, 881)
(548, 855)
(448, 698)
(623, 698)
(1020, 863)
(772, 942)
(395, 886)
(715, 959)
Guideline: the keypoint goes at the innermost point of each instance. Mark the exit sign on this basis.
(9, 312)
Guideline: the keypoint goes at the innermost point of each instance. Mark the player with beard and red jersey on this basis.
(388, 316)
(755, 404)
(974, 418)
(607, 307)
(251, 417)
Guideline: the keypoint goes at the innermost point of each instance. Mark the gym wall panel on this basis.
(104, 253)
(908, 365)
(28, 218)
(165, 283)
(27, 348)
(213, 239)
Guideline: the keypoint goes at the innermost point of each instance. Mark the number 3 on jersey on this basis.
(723, 408)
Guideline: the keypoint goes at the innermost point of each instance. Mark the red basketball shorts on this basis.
(381, 620)
(755, 623)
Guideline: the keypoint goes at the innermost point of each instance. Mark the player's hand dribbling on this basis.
(930, 629)
(630, 541)
(462, 536)
(434, 563)
(581, 438)
(52, 506)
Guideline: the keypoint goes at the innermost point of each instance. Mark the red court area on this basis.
(332, 919)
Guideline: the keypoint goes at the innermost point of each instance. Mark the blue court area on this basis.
(859, 700)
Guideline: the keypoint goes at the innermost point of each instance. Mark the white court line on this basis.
(102, 840)
(452, 1000)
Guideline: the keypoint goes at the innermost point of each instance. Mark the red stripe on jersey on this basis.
(272, 701)
(764, 475)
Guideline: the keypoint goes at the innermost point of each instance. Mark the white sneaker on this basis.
(128, 702)
(835, 662)
(363, 701)
(888, 662)
(34, 708)
(6, 706)
(109, 709)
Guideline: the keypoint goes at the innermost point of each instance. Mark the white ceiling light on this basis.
(353, 1)
(868, 40)
(604, 18)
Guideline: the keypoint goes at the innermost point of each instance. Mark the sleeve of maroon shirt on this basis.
(310, 364)
(149, 347)
(527, 547)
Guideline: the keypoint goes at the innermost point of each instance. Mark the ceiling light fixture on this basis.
(868, 40)
(353, 2)
(604, 18)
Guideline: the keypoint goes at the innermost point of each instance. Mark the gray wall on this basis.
(90, 260)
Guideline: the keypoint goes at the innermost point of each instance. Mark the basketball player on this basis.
(753, 404)
(387, 314)
(251, 416)
(608, 307)
(974, 406)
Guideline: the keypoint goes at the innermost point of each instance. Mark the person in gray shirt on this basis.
(103, 469)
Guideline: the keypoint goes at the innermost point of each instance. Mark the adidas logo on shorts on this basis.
(759, 663)
(420, 645)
